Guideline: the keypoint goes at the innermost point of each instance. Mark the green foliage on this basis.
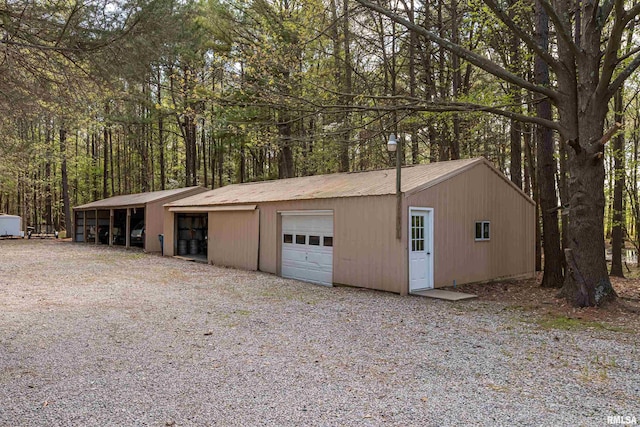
(570, 324)
(253, 79)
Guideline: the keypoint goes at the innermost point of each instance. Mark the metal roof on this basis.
(351, 184)
(138, 199)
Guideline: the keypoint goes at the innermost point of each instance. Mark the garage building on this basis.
(128, 220)
(462, 221)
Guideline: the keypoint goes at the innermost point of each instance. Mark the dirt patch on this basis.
(528, 295)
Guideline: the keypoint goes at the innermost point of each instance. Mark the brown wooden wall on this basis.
(479, 194)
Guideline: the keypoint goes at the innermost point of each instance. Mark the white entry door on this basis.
(420, 248)
(307, 246)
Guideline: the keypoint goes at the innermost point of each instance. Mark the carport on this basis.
(127, 220)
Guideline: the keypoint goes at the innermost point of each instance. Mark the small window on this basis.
(328, 241)
(417, 233)
(483, 230)
(301, 239)
(314, 240)
(288, 238)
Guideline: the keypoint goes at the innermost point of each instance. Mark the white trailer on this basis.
(10, 226)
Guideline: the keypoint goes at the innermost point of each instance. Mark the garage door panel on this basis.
(292, 254)
(306, 275)
(304, 256)
(308, 224)
(322, 259)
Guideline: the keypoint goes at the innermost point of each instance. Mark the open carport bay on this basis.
(92, 335)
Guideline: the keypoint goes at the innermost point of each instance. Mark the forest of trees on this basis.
(100, 98)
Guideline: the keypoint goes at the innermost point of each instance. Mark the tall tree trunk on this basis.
(220, 151)
(582, 119)
(515, 130)
(111, 169)
(285, 158)
(47, 178)
(119, 151)
(75, 177)
(413, 83)
(443, 128)
(163, 178)
(65, 182)
(94, 164)
(546, 166)
(105, 162)
(617, 236)
(345, 83)
(454, 148)
(535, 192)
(203, 141)
(633, 189)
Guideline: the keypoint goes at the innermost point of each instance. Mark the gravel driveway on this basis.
(95, 336)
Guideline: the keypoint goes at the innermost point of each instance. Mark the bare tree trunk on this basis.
(343, 80)
(94, 163)
(515, 130)
(203, 141)
(285, 158)
(535, 192)
(634, 197)
(163, 178)
(582, 120)
(112, 177)
(220, 161)
(47, 178)
(454, 148)
(413, 41)
(553, 276)
(65, 182)
(617, 236)
(119, 150)
(105, 162)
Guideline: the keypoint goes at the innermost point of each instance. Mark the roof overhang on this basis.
(227, 208)
(108, 208)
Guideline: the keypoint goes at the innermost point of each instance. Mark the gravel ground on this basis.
(102, 336)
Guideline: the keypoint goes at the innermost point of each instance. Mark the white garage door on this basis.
(307, 247)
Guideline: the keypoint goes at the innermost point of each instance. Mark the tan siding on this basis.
(154, 221)
(365, 250)
(169, 232)
(233, 239)
(479, 194)
(153, 225)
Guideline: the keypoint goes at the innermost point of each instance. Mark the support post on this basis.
(398, 189)
(110, 227)
(128, 229)
(84, 227)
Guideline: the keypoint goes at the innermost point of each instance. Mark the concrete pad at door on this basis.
(445, 295)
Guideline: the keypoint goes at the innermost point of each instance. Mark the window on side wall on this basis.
(483, 230)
